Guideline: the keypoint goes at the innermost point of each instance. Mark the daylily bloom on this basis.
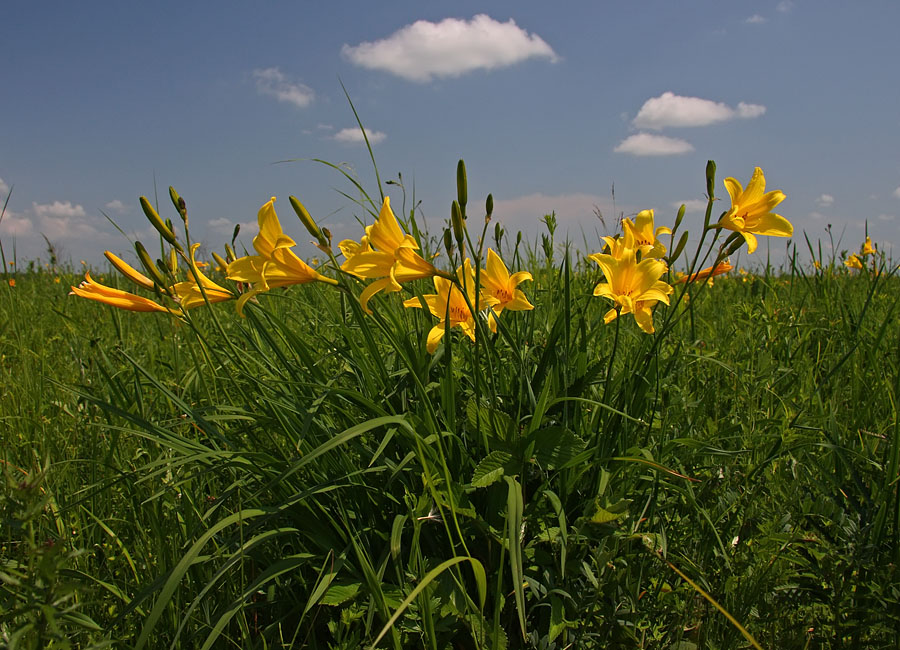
(116, 297)
(853, 262)
(645, 238)
(189, 294)
(635, 287)
(386, 254)
(867, 248)
(720, 268)
(275, 264)
(497, 283)
(450, 303)
(751, 210)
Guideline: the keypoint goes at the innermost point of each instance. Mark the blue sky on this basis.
(550, 105)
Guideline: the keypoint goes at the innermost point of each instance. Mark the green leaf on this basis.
(340, 593)
(492, 468)
(555, 446)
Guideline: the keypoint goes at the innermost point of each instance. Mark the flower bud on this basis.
(711, 179)
(679, 217)
(149, 266)
(307, 221)
(456, 220)
(675, 254)
(462, 185)
(173, 261)
(448, 243)
(179, 204)
(222, 264)
(229, 252)
(158, 223)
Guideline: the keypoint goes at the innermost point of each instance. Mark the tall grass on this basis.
(310, 476)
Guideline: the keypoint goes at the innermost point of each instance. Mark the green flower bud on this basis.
(462, 185)
(150, 268)
(456, 220)
(155, 220)
(679, 217)
(711, 179)
(307, 220)
(679, 248)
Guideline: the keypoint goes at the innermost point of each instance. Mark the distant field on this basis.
(298, 477)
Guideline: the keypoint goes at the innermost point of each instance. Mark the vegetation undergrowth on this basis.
(339, 467)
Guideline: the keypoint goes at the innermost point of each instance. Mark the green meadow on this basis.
(309, 475)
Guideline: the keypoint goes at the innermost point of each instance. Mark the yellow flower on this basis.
(275, 264)
(386, 254)
(117, 298)
(189, 293)
(853, 262)
(450, 303)
(635, 287)
(498, 284)
(641, 235)
(720, 268)
(751, 210)
(867, 248)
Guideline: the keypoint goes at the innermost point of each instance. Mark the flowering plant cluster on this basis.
(635, 264)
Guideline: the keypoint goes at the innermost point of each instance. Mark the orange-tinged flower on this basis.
(641, 236)
(189, 293)
(635, 287)
(117, 298)
(449, 304)
(751, 210)
(12, 282)
(275, 264)
(720, 268)
(386, 254)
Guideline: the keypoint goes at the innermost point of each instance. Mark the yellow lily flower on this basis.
(751, 210)
(853, 262)
(635, 287)
(498, 284)
(642, 235)
(116, 297)
(386, 254)
(449, 302)
(720, 268)
(189, 294)
(275, 264)
(867, 248)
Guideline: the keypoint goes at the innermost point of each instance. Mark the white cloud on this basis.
(670, 109)
(755, 19)
(116, 206)
(424, 50)
(57, 210)
(897, 193)
(825, 201)
(225, 226)
(15, 225)
(784, 6)
(648, 144)
(273, 82)
(573, 211)
(817, 215)
(353, 135)
(692, 206)
(4, 189)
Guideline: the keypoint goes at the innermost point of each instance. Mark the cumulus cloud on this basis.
(784, 6)
(670, 109)
(897, 193)
(825, 200)
(424, 50)
(353, 135)
(273, 82)
(573, 211)
(15, 225)
(756, 19)
(116, 206)
(648, 144)
(225, 226)
(57, 210)
(691, 206)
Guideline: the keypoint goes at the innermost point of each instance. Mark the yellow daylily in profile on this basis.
(116, 297)
(853, 262)
(642, 235)
(275, 264)
(709, 272)
(635, 287)
(867, 248)
(386, 254)
(189, 294)
(751, 210)
(450, 303)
